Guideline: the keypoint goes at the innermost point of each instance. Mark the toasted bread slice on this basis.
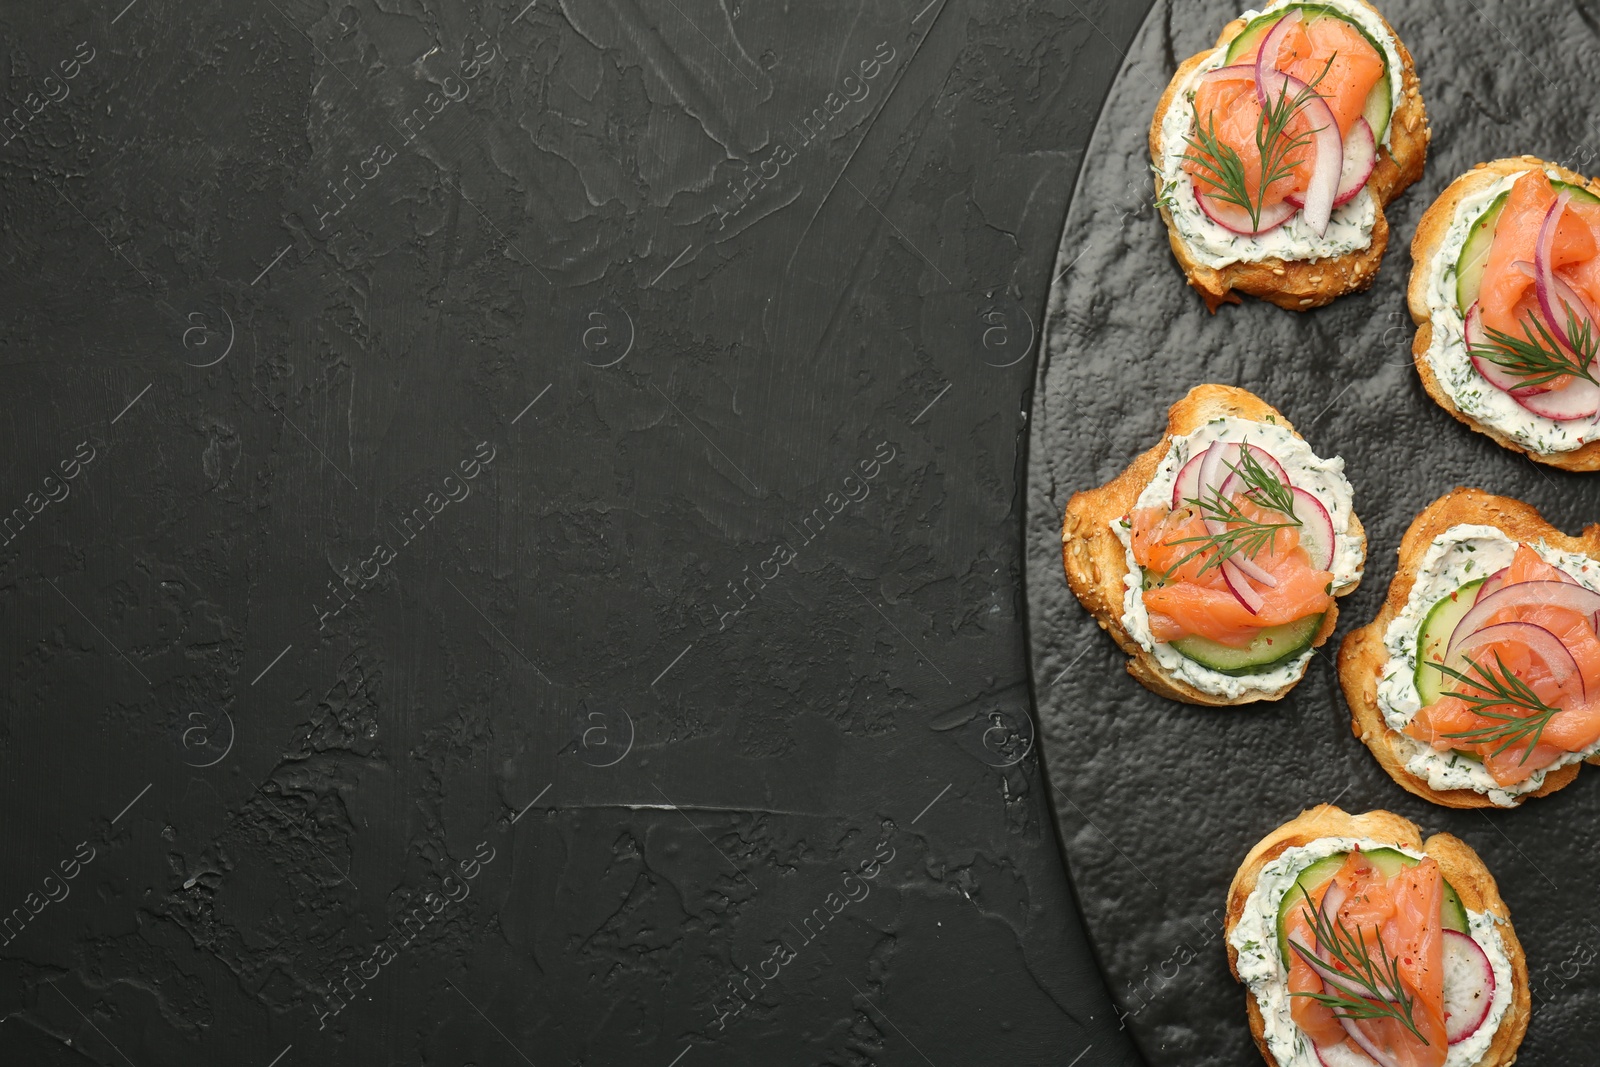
(1363, 655)
(1300, 285)
(1458, 863)
(1096, 563)
(1431, 231)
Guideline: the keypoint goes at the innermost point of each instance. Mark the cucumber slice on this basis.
(1380, 102)
(1475, 253)
(1480, 239)
(1251, 35)
(1452, 913)
(1271, 647)
(1434, 636)
(1380, 106)
(1578, 192)
(1390, 861)
(1299, 894)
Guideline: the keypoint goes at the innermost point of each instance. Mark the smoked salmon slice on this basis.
(1403, 914)
(1575, 725)
(1196, 601)
(1315, 1019)
(1353, 68)
(1507, 296)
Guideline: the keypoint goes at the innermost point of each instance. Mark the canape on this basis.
(1276, 151)
(1478, 684)
(1505, 289)
(1363, 945)
(1216, 558)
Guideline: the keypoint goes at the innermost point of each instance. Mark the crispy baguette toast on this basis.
(1096, 563)
(1300, 285)
(1458, 863)
(1362, 656)
(1431, 231)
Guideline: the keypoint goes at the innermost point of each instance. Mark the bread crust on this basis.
(1096, 564)
(1425, 247)
(1300, 285)
(1459, 864)
(1362, 655)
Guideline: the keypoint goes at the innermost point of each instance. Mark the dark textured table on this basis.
(513, 538)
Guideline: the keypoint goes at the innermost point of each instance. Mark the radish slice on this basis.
(1213, 471)
(1580, 400)
(1468, 986)
(1218, 474)
(1316, 529)
(1360, 158)
(1316, 533)
(1572, 299)
(1492, 372)
(1231, 216)
(1492, 584)
(1344, 1054)
(1544, 278)
(1236, 219)
(1331, 975)
(1539, 641)
(1565, 293)
(1319, 960)
(1255, 572)
(1571, 596)
(1187, 485)
(1371, 1049)
(1325, 138)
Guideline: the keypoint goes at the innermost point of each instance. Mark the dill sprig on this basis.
(1222, 166)
(1386, 996)
(1505, 690)
(1263, 486)
(1242, 534)
(1542, 359)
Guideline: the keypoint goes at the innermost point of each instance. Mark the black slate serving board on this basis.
(1158, 802)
